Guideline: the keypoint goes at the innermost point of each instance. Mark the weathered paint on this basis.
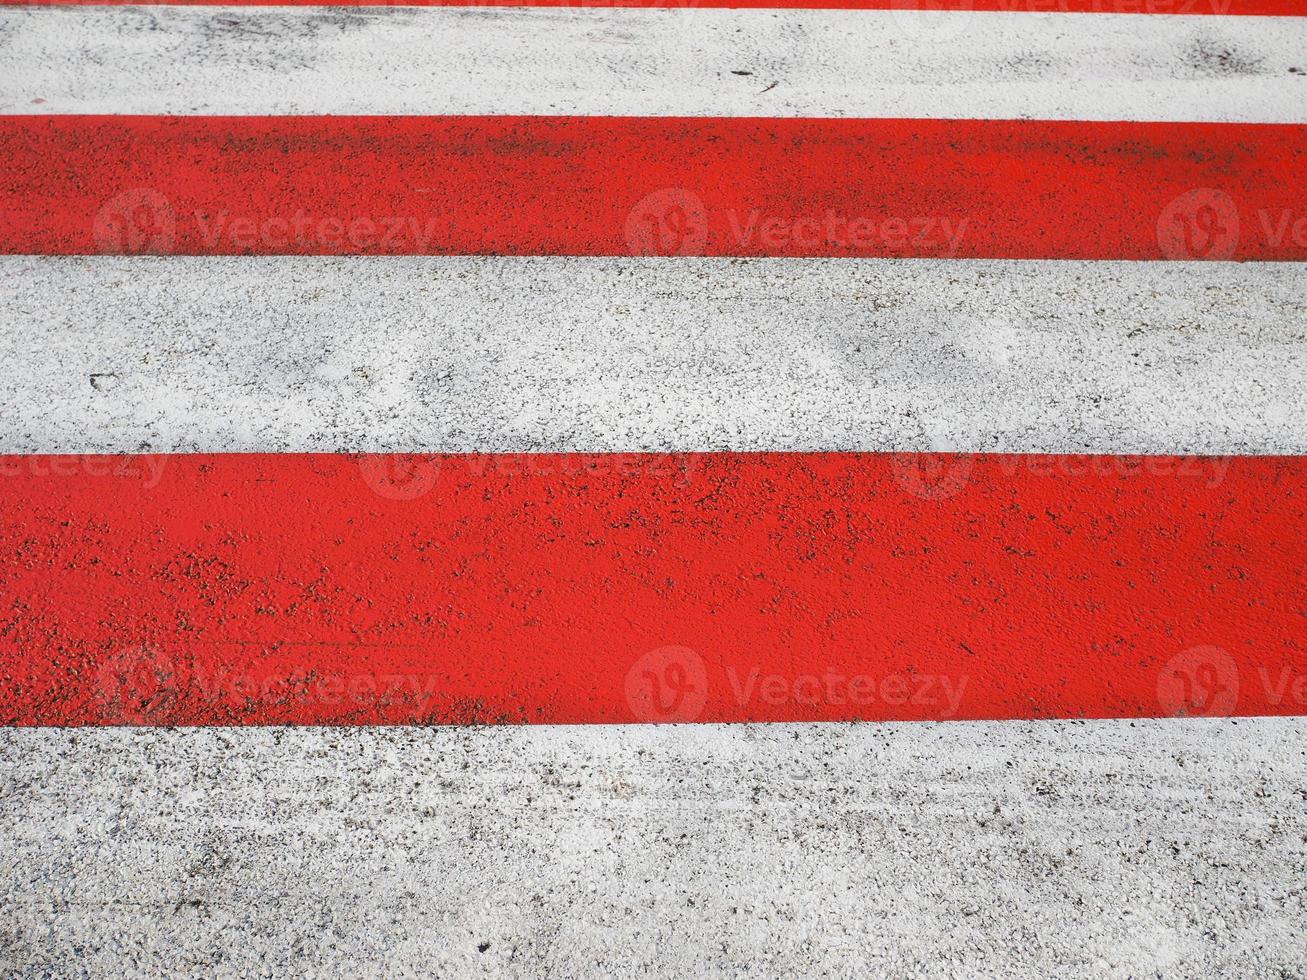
(718, 587)
(1143, 848)
(609, 186)
(120, 354)
(164, 60)
(1197, 8)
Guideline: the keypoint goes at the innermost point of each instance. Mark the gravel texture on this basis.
(1171, 848)
(239, 354)
(640, 62)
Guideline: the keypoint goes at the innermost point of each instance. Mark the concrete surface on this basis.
(687, 62)
(1172, 848)
(114, 354)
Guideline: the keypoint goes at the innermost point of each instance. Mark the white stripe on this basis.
(691, 62)
(114, 354)
(1143, 848)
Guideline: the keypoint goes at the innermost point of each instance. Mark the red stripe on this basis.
(1184, 7)
(612, 186)
(307, 589)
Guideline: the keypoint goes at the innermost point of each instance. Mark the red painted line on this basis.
(721, 587)
(614, 186)
(1295, 8)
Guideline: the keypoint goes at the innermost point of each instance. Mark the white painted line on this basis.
(476, 354)
(682, 62)
(1114, 848)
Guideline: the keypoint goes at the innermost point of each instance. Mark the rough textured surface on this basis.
(689, 62)
(1112, 848)
(1234, 8)
(719, 587)
(622, 186)
(491, 354)
(1115, 849)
